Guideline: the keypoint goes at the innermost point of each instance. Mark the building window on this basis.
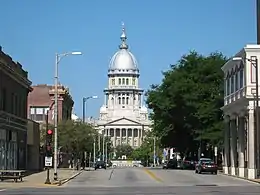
(119, 100)
(133, 81)
(241, 75)
(119, 81)
(127, 81)
(232, 83)
(127, 100)
(123, 81)
(38, 113)
(3, 102)
(228, 85)
(123, 100)
(237, 80)
(113, 81)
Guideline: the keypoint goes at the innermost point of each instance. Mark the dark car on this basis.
(171, 164)
(189, 163)
(100, 165)
(206, 165)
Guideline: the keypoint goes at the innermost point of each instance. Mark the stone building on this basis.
(240, 143)
(14, 88)
(123, 116)
(41, 99)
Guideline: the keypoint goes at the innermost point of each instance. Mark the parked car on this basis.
(171, 164)
(206, 165)
(189, 163)
(100, 165)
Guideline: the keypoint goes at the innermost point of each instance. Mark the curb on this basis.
(242, 178)
(61, 182)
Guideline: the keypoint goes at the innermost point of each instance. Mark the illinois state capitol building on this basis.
(123, 117)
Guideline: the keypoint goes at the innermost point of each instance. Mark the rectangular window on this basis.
(3, 104)
(241, 74)
(237, 81)
(232, 83)
(39, 110)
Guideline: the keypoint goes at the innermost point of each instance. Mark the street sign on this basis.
(48, 161)
(216, 151)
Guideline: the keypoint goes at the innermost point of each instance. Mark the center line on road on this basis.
(152, 175)
(110, 176)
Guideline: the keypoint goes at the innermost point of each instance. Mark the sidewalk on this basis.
(37, 179)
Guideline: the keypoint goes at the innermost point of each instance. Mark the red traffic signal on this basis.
(49, 132)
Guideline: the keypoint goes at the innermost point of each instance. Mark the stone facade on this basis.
(14, 88)
(240, 147)
(123, 116)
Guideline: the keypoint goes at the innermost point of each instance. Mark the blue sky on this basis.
(159, 33)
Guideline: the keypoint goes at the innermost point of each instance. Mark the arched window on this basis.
(119, 100)
(127, 81)
(123, 81)
(123, 100)
(127, 100)
(133, 81)
(113, 81)
(119, 81)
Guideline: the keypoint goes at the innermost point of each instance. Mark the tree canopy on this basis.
(124, 149)
(76, 137)
(186, 105)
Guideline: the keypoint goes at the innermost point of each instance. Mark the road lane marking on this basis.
(152, 175)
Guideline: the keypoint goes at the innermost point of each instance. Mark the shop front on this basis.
(12, 144)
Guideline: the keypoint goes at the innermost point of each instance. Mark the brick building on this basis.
(14, 89)
(41, 99)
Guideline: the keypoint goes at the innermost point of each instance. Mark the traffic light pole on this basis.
(47, 181)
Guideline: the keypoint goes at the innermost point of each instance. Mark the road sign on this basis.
(48, 161)
(216, 151)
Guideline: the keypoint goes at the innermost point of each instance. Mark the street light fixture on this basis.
(57, 61)
(84, 105)
(254, 62)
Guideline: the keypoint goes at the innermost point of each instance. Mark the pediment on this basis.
(124, 121)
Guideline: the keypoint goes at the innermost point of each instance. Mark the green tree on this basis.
(186, 105)
(76, 137)
(124, 149)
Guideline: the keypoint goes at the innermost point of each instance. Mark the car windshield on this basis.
(206, 160)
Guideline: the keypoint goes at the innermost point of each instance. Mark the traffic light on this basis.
(49, 134)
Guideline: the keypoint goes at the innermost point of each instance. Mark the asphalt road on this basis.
(139, 181)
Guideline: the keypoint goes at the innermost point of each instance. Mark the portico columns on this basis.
(233, 145)
(251, 144)
(226, 144)
(241, 145)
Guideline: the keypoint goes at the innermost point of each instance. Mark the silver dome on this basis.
(123, 59)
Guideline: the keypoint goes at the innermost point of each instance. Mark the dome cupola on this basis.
(123, 61)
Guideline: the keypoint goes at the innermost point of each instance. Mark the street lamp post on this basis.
(84, 106)
(254, 62)
(57, 61)
(94, 151)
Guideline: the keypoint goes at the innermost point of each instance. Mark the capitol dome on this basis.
(123, 60)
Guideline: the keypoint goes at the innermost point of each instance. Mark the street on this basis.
(138, 181)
